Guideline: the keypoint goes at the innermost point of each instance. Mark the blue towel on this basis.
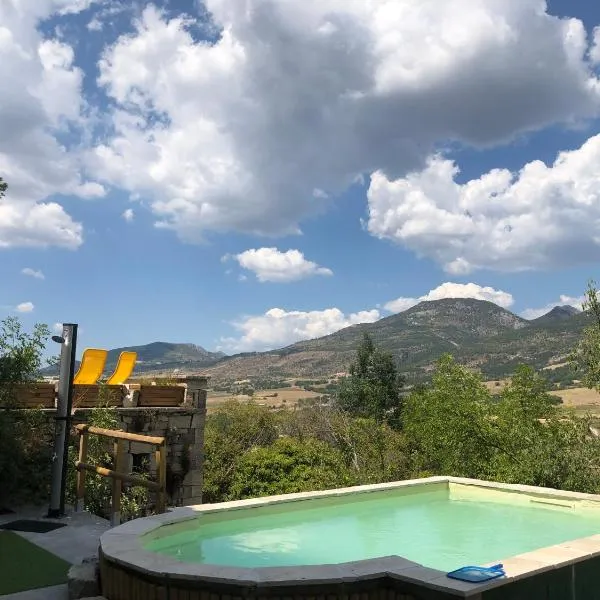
(478, 574)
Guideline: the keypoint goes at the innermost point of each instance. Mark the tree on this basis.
(20, 356)
(456, 427)
(372, 452)
(25, 447)
(372, 390)
(586, 357)
(287, 466)
(446, 423)
(231, 431)
(3, 188)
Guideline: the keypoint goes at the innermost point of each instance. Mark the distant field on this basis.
(496, 386)
(287, 396)
(582, 399)
(579, 397)
(555, 366)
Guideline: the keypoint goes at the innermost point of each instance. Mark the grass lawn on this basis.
(25, 566)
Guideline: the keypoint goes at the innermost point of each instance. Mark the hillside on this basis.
(158, 356)
(556, 315)
(164, 355)
(478, 333)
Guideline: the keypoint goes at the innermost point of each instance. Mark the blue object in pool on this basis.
(478, 574)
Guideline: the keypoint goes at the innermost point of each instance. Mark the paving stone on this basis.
(83, 581)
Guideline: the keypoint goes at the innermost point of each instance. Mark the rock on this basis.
(83, 581)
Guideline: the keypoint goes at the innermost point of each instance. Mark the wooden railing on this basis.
(118, 474)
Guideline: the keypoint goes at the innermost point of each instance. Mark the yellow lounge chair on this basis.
(124, 368)
(91, 367)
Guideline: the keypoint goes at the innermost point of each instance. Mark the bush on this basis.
(25, 455)
(231, 431)
(288, 466)
(25, 436)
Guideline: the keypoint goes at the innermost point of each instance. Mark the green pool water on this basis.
(427, 528)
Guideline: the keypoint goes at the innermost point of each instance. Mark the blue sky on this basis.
(242, 179)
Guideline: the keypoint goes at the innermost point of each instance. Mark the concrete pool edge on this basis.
(122, 547)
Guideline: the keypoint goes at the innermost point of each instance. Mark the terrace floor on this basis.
(78, 540)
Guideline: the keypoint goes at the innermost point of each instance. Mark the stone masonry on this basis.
(183, 426)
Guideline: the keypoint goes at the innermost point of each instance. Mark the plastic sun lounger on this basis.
(124, 368)
(91, 367)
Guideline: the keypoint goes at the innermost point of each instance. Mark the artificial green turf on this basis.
(25, 566)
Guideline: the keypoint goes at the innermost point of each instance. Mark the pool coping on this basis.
(122, 545)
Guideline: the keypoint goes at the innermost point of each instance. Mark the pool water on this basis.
(426, 527)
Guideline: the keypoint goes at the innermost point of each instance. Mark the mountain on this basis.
(557, 314)
(159, 356)
(478, 333)
(167, 356)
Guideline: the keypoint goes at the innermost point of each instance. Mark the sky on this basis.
(243, 174)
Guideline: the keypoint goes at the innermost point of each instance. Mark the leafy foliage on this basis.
(26, 439)
(586, 357)
(288, 466)
(20, 356)
(230, 432)
(373, 387)
(455, 427)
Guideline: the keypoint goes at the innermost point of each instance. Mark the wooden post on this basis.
(117, 484)
(83, 452)
(161, 472)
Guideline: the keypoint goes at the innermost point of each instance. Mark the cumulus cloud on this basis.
(42, 102)
(453, 290)
(595, 49)
(32, 273)
(90, 189)
(564, 300)
(128, 215)
(541, 217)
(277, 327)
(25, 307)
(294, 100)
(270, 264)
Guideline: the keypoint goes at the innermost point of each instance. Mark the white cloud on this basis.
(277, 327)
(57, 327)
(25, 307)
(128, 215)
(541, 217)
(301, 97)
(595, 49)
(454, 290)
(33, 273)
(107, 13)
(42, 102)
(94, 24)
(269, 264)
(564, 300)
(90, 189)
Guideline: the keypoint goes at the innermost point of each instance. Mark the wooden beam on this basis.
(161, 471)
(121, 435)
(134, 479)
(83, 452)
(117, 484)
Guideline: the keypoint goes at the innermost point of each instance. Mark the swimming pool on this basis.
(401, 537)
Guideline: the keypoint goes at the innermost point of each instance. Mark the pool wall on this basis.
(569, 571)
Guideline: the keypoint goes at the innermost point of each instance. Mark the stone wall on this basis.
(183, 427)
